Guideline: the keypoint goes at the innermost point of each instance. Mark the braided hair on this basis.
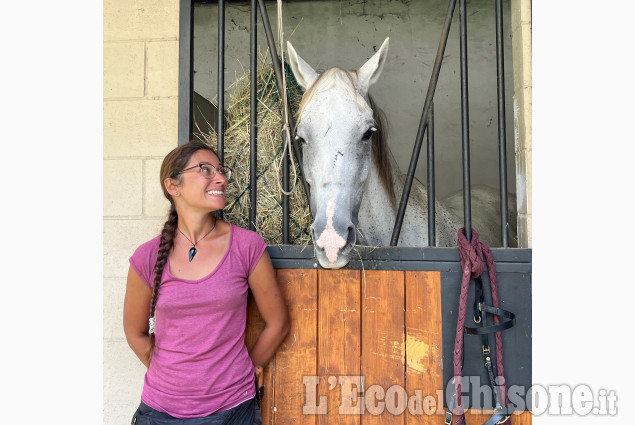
(173, 162)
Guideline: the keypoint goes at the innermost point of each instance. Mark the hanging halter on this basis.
(472, 254)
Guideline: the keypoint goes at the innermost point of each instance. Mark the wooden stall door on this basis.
(364, 348)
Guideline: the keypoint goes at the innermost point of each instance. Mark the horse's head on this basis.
(336, 126)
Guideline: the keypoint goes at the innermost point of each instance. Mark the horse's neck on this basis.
(377, 211)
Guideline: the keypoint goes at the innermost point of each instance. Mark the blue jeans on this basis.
(246, 413)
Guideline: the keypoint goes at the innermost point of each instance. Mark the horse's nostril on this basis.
(351, 239)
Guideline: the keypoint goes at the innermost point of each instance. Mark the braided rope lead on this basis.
(472, 267)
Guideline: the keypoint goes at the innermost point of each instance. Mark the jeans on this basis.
(246, 413)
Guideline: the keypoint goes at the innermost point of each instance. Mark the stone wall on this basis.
(521, 39)
(140, 127)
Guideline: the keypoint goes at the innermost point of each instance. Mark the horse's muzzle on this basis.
(331, 248)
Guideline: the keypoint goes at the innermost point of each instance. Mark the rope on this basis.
(267, 89)
(285, 127)
(472, 265)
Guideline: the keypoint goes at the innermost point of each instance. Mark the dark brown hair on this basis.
(173, 162)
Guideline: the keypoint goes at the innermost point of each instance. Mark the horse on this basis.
(353, 178)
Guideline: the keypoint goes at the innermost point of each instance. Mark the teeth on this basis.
(215, 192)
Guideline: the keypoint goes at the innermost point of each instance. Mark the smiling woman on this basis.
(186, 300)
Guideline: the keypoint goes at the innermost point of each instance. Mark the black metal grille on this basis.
(426, 125)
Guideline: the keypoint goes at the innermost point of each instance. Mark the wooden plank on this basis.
(297, 355)
(524, 418)
(339, 339)
(424, 357)
(383, 347)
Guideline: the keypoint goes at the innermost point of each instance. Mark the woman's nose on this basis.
(219, 178)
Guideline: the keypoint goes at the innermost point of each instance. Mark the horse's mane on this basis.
(380, 156)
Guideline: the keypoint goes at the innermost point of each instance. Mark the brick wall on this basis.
(140, 127)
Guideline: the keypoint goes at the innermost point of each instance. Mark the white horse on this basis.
(354, 180)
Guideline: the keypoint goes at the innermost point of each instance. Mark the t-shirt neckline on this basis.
(166, 269)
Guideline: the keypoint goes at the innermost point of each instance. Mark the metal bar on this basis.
(502, 141)
(403, 253)
(186, 71)
(272, 50)
(423, 123)
(465, 123)
(285, 198)
(401, 258)
(220, 89)
(432, 239)
(285, 160)
(221, 81)
(297, 151)
(253, 112)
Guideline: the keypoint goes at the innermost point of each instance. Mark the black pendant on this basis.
(192, 253)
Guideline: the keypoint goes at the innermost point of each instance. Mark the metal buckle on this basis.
(502, 421)
(448, 418)
(485, 350)
(479, 316)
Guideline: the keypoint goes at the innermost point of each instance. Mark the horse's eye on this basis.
(369, 133)
(300, 139)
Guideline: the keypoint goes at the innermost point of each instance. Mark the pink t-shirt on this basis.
(200, 363)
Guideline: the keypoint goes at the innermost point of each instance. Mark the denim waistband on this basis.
(242, 414)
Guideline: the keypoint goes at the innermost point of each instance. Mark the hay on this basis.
(269, 158)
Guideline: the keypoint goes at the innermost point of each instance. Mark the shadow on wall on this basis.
(205, 116)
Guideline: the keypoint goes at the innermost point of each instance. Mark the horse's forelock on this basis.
(339, 78)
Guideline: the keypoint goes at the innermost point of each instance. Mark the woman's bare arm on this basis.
(136, 312)
(273, 310)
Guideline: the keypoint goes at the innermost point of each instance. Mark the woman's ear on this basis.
(171, 185)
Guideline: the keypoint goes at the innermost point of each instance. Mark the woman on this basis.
(186, 301)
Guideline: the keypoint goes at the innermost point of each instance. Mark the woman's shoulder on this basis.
(245, 234)
(144, 259)
(149, 248)
(247, 245)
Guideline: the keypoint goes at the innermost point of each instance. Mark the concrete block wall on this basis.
(140, 83)
(521, 45)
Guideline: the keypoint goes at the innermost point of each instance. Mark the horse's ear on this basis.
(370, 71)
(304, 74)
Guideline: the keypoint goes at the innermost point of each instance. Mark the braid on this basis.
(172, 165)
(167, 241)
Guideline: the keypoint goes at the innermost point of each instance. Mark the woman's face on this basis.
(203, 187)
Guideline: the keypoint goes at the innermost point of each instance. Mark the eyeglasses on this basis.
(208, 171)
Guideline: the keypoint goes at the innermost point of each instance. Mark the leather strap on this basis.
(480, 330)
(472, 254)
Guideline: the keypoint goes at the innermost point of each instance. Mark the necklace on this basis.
(192, 251)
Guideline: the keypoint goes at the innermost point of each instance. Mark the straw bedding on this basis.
(269, 158)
